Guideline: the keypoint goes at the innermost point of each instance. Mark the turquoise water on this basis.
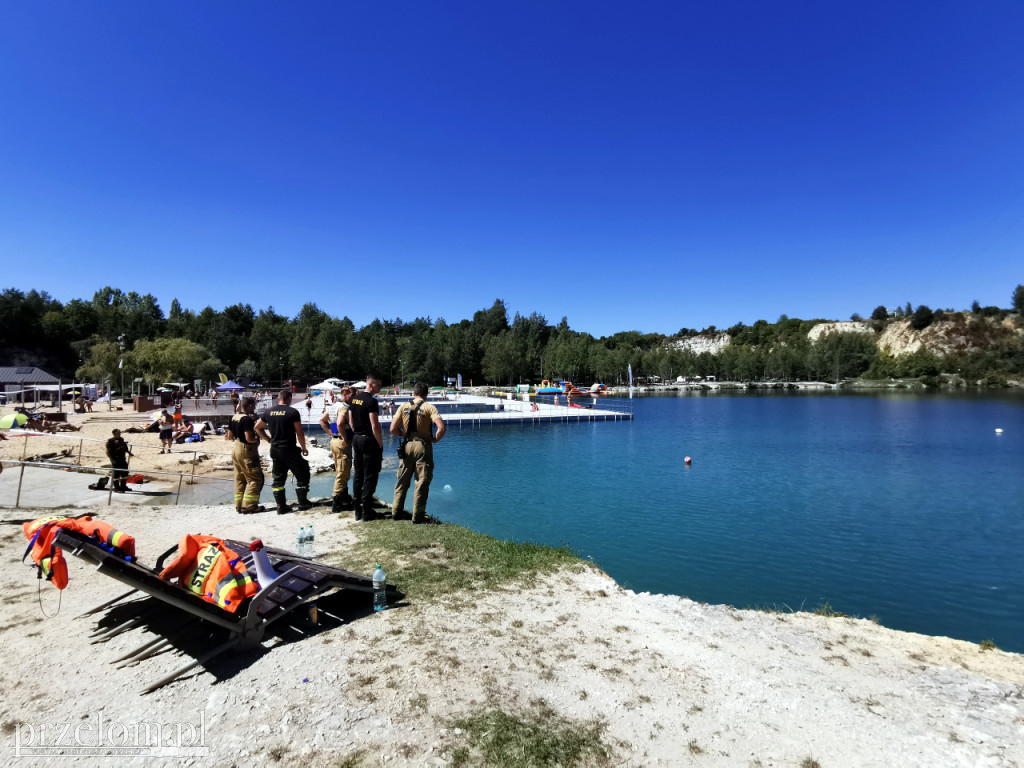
(908, 508)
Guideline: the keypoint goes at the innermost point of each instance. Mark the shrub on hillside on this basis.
(921, 318)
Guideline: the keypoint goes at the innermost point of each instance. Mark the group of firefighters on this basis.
(356, 447)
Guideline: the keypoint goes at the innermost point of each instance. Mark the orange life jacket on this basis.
(49, 558)
(206, 566)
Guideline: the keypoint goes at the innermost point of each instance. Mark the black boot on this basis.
(336, 504)
(282, 505)
(300, 494)
(347, 502)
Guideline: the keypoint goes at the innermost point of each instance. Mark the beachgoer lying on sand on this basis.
(41, 425)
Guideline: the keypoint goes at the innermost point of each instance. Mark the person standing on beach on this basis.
(245, 455)
(118, 453)
(285, 429)
(166, 431)
(341, 449)
(416, 454)
(367, 447)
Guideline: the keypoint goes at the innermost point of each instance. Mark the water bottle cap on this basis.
(378, 566)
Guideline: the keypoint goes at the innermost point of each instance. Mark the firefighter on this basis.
(118, 453)
(416, 452)
(341, 449)
(285, 429)
(367, 447)
(245, 454)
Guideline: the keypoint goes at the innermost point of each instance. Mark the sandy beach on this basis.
(671, 681)
(209, 462)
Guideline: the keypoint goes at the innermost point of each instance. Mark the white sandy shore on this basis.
(676, 682)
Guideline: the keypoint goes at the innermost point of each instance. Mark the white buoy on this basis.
(999, 431)
(447, 487)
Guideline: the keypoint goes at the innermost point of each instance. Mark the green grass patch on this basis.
(538, 738)
(987, 645)
(430, 561)
(824, 609)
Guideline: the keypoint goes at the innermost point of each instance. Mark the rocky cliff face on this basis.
(712, 342)
(955, 333)
(823, 329)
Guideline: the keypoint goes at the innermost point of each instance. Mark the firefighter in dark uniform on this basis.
(285, 428)
(415, 453)
(245, 455)
(118, 453)
(367, 447)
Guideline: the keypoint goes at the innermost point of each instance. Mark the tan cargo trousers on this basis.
(342, 453)
(248, 476)
(418, 460)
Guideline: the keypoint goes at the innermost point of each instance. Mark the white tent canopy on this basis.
(325, 385)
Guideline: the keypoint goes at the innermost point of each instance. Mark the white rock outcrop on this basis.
(703, 342)
(852, 326)
(961, 332)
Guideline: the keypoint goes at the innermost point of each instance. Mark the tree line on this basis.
(93, 339)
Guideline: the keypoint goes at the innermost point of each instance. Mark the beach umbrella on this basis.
(12, 420)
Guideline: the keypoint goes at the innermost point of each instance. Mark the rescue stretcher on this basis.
(301, 582)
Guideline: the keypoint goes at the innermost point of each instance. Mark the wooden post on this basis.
(17, 501)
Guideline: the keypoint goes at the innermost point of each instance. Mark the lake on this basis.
(906, 507)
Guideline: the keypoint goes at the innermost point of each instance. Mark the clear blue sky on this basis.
(633, 166)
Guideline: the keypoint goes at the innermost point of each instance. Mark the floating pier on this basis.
(504, 411)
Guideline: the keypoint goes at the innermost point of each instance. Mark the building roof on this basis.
(27, 374)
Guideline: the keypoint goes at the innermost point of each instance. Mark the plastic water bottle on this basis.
(311, 541)
(380, 601)
(300, 542)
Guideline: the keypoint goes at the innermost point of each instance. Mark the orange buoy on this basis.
(687, 460)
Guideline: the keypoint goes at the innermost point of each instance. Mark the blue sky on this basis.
(632, 166)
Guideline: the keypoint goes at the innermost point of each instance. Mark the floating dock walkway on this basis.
(504, 411)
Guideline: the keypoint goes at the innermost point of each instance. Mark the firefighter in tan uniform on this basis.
(341, 450)
(245, 455)
(415, 453)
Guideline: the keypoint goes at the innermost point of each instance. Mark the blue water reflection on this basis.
(905, 507)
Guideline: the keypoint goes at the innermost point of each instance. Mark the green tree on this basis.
(168, 359)
(880, 313)
(1018, 299)
(306, 353)
(380, 349)
(845, 355)
(921, 318)
(501, 359)
(101, 362)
